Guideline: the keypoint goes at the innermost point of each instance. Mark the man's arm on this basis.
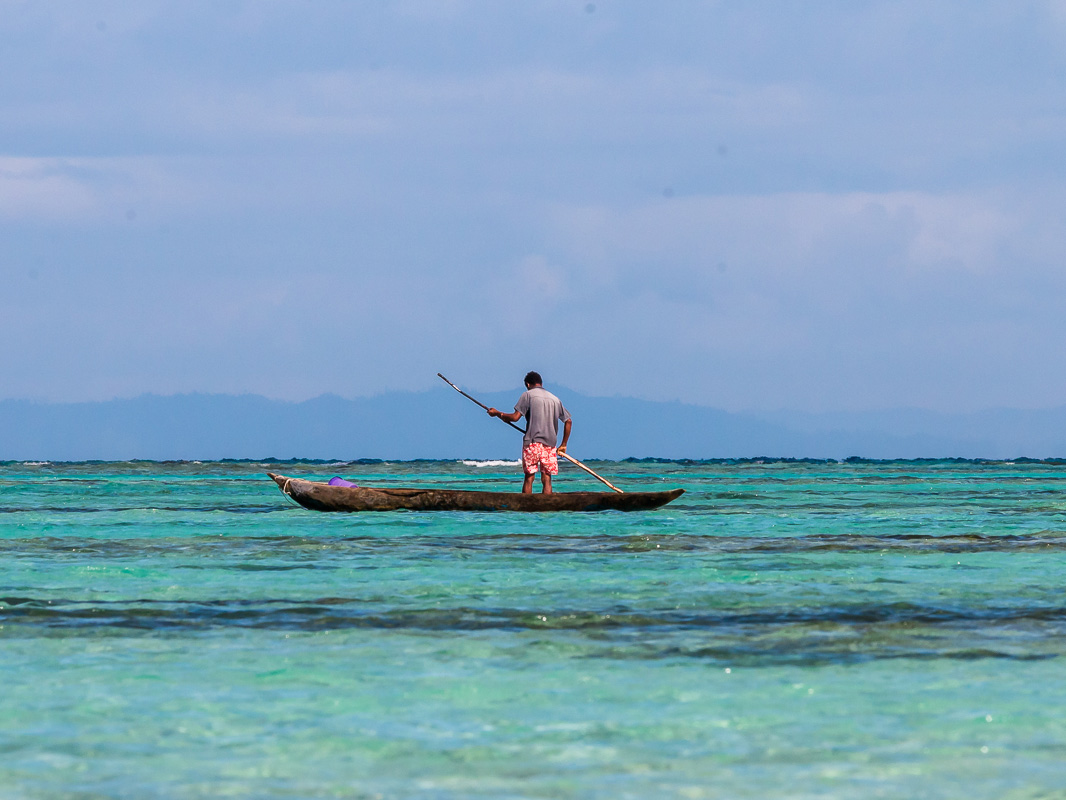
(514, 416)
(566, 435)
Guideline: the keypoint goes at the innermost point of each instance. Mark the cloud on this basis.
(811, 289)
(104, 190)
(32, 188)
(777, 235)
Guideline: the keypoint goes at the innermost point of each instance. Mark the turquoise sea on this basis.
(799, 629)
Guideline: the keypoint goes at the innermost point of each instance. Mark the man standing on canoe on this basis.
(542, 411)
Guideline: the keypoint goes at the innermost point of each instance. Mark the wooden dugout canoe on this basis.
(323, 497)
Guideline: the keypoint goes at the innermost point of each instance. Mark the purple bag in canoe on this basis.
(335, 481)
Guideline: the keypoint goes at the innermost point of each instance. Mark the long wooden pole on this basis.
(468, 397)
(573, 460)
(568, 457)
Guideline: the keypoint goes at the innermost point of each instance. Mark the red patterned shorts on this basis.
(537, 455)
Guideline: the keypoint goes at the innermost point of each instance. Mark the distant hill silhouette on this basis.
(441, 424)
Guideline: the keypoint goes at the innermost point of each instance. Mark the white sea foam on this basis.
(496, 463)
(36, 463)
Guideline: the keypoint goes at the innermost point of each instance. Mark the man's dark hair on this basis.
(533, 378)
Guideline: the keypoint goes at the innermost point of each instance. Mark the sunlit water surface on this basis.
(182, 630)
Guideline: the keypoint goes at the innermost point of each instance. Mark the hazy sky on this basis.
(748, 205)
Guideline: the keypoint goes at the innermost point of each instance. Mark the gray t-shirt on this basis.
(542, 411)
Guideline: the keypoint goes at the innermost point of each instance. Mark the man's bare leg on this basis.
(545, 482)
(527, 484)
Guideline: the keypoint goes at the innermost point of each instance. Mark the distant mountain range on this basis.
(441, 424)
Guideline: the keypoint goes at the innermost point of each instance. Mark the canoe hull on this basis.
(323, 497)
